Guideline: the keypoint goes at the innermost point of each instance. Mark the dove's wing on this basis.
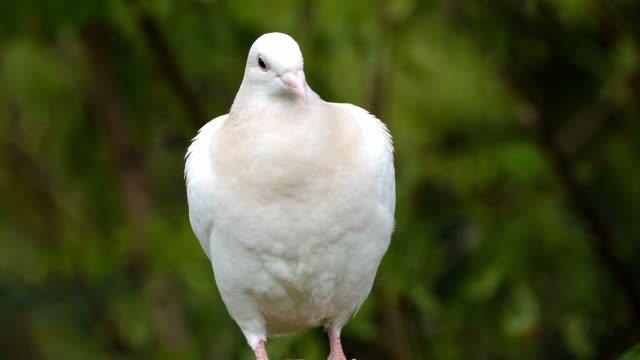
(200, 177)
(379, 146)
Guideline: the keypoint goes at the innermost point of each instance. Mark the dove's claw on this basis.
(335, 345)
(261, 351)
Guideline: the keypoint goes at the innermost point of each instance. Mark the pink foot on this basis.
(335, 345)
(261, 351)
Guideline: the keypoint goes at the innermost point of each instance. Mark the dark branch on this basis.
(128, 163)
(125, 157)
(166, 60)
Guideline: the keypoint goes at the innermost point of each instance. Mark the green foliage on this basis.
(632, 354)
(515, 126)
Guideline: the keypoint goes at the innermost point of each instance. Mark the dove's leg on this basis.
(261, 351)
(335, 345)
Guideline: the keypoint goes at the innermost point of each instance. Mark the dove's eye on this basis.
(263, 65)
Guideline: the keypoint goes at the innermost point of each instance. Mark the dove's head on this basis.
(275, 66)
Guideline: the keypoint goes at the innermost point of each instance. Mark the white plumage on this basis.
(292, 199)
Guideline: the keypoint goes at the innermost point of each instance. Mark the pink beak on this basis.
(296, 83)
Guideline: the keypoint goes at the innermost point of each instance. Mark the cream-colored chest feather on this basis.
(295, 156)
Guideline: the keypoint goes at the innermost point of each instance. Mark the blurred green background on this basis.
(517, 156)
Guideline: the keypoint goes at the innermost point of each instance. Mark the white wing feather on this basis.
(199, 176)
(379, 144)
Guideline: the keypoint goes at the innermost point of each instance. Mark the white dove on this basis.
(292, 199)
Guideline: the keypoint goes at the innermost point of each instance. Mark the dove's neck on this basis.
(253, 104)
